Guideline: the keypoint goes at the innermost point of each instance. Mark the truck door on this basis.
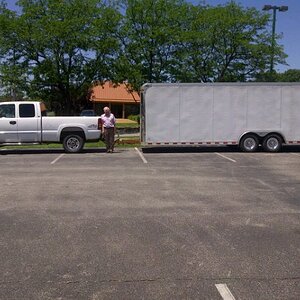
(8, 123)
(28, 123)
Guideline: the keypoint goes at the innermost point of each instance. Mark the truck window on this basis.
(26, 111)
(7, 111)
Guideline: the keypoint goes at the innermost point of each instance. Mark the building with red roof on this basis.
(118, 97)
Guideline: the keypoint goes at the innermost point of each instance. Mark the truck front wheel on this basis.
(272, 143)
(249, 143)
(73, 143)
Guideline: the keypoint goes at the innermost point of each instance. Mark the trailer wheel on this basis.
(272, 143)
(249, 143)
(73, 143)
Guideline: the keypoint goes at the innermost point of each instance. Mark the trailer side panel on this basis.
(162, 109)
(290, 119)
(220, 113)
(230, 111)
(196, 114)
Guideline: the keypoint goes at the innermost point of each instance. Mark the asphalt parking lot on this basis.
(208, 223)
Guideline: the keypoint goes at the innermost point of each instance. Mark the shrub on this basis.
(135, 118)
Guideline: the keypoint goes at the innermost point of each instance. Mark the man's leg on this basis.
(106, 139)
(112, 139)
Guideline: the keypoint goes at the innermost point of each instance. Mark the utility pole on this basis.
(274, 8)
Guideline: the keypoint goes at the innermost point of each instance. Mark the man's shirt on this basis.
(108, 121)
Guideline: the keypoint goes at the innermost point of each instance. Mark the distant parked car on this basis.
(88, 113)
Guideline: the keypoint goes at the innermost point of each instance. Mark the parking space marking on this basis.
(56, 159)
(265, 184)
(141, 155)
(230, 159)
(296, 154)
(224, 291)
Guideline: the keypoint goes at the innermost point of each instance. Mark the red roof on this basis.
(111, 92)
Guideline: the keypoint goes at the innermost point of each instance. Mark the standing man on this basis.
(108, 121)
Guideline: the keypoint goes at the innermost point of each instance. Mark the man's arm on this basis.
(115, 125)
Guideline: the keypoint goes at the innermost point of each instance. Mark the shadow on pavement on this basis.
(156, 149)
(208, 149)
(48, 151)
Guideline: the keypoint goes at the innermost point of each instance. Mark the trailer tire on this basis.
(73, 143)
(249, 143)
(272, 143)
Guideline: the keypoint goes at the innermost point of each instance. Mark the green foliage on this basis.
(150, 32)
(174, 41)
(64, 46)
(127, 125)
(12, 69)
(225, 43)
(292, 75)
(266, 77)
(54, 49)
(135, 118)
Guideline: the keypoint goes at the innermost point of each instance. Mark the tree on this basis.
(292, 75)
(54, 49)
(225, 43)
(11, 68)
(175, 41)
(149, 34)
(65, 45)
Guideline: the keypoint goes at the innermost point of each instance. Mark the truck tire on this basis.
(272, 143)
(73, 143)
(249, 143)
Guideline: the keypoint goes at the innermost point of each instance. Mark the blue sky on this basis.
(288, 23)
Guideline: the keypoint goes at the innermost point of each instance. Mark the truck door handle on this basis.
(12, 122)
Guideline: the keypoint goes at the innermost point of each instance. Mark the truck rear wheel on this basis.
(272, 143)
(249, 143)
(73, 143)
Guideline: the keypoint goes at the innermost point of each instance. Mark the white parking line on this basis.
(224, 291)
(265, 184)
(141, 155)
(56, 159)
(225, 157)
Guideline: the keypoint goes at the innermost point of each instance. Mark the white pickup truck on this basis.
(25, 122)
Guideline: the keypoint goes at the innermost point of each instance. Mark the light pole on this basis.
(275, 8)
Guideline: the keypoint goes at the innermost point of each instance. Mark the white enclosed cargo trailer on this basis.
(243, 114)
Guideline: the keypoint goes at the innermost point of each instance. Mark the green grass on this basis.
(128, 125)
(101, 144)
(88, 145)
